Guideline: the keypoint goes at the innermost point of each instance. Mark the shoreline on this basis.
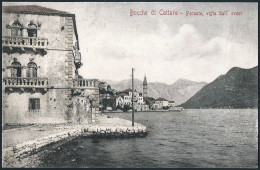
(14, 153)
(182, 110)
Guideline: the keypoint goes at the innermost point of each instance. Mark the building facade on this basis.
(160, 103)
(171, 104)
(40, 62)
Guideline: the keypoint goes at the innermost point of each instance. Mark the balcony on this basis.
(24, 42)
(85, 83)
(21, 82)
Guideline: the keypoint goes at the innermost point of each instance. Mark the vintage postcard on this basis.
(130, 84)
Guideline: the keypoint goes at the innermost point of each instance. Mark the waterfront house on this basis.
(161, 102)
(120, 100)
(40, 61)
(171, 104)
(138, 98)
(129, 93)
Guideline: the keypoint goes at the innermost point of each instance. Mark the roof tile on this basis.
(34, 9)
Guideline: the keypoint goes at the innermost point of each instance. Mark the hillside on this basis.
(180, 91)
(238, 88)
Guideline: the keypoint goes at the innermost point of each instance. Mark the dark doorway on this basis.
(16, 70)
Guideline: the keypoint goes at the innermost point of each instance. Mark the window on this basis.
(34, 104)
(16, 29)
(32, 29)
(31, 70)
(16, 69)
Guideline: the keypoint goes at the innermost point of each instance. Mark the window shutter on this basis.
(30, 104)
(27, 72)
(35, 72)
(37, 103)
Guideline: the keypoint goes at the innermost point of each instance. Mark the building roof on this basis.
(161, 99)
(39, 10)
(171, 101)
(34, 9)
(149, 98)
(127, 91)
(122, 94)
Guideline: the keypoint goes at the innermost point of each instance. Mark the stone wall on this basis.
(110, 127)
(11, 156)
(56, 64)
(52, 108)
(69, 65)
(51, 27)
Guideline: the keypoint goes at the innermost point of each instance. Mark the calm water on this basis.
(191, 138)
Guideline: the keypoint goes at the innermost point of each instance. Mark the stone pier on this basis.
(22, 142)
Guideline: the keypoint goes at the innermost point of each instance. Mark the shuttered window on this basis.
(34, 104)
(31, 70)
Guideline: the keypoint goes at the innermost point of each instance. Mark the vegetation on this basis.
(236, 89)
(126, 108)
(165, 107)
(119, 108)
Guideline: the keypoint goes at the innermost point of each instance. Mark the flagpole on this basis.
(133, 97)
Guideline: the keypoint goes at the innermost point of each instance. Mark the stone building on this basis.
(160, 103)
(40, 62)
(171, 104)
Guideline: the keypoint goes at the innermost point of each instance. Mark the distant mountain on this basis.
(180, 91)
(238, 88)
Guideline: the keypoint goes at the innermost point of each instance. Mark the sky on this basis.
(165, 48)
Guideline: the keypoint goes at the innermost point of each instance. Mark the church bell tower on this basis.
(145, 87)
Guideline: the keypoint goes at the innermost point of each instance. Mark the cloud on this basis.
(165, 56)
(164, 48)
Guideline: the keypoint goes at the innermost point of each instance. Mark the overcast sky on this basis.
(164, 48)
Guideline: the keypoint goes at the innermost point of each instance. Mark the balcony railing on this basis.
(21, 82)
(85, 83)
(24, 42)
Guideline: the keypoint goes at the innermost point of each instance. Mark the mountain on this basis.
(180, 91)
(238, 88)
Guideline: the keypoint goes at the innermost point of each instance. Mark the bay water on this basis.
(192, 138)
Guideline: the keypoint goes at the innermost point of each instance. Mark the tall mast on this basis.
(133, 109)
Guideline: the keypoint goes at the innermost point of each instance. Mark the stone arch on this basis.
(16, 28)
(31, 70)
(16, 69)
(32, 29)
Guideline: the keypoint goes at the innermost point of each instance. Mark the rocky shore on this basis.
(19, 144)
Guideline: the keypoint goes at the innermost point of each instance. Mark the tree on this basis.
(119, 108)
(126, 108)
(165, 107)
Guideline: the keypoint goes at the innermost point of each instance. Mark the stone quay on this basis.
(20, 143)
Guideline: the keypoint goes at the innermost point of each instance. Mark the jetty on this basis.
(20, 143)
